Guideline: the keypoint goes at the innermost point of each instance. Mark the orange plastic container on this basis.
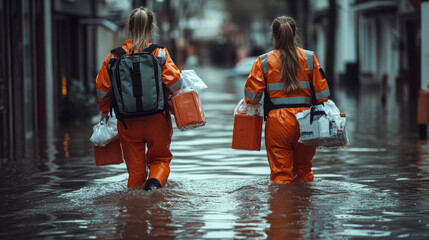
(110, 154)
(188, 110)
(247, 132)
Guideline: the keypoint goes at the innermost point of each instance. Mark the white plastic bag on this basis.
(328, 128)
(191, 81)
(104, 132)
(248, 109)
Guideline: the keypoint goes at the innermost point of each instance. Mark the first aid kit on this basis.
(247, 132)
(187, 106)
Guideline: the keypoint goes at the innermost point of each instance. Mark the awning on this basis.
(373, 6)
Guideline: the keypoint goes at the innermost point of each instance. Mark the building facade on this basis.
(50, 53)
(23, 75)
(375, 40)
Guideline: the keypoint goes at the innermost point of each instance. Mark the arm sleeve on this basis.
(255, 83)
(320, 84)
(104, 87)
(170, 73)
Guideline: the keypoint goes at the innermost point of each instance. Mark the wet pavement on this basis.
(375, 188)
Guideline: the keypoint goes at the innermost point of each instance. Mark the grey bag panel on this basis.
(114, 82)
(127, 102)
(161, 98)
(152, 100)
(161, 89)
(149, 99)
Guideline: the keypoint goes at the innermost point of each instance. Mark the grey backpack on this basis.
(137, 84)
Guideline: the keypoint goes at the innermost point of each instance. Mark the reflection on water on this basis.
(375, 188)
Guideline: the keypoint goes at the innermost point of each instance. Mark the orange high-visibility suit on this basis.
(289, 160)
(154, 130)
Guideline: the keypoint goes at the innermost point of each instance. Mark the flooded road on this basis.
(377, 187)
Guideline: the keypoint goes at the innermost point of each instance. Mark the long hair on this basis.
(283, 32)
(140, 26)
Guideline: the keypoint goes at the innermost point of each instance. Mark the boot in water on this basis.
(152, 183)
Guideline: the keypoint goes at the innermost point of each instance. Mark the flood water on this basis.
(375, 188)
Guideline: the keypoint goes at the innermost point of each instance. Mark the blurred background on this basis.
(52, 50)
(372, 53)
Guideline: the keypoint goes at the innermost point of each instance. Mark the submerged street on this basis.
(376, 187)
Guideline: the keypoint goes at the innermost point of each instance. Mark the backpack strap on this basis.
(161, 54)
(152, 47)
(166, 109)
(119, 51)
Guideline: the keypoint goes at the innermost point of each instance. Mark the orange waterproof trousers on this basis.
(289, 160)
(155, 132)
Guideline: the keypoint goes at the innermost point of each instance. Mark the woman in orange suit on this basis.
(153, 131)
(292, 79)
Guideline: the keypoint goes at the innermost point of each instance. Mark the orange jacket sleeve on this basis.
(255, 83)
(104, 87)
(170, 72)
(320, 84)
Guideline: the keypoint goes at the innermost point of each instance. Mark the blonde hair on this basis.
(283, 31)
(140, 26)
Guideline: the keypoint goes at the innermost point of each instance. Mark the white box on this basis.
(307, 130)
(322, 132)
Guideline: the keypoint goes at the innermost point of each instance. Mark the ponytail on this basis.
(283, 30)
(140, 27)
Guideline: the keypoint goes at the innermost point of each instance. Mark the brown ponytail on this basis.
(283, 31)
(140, 27)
